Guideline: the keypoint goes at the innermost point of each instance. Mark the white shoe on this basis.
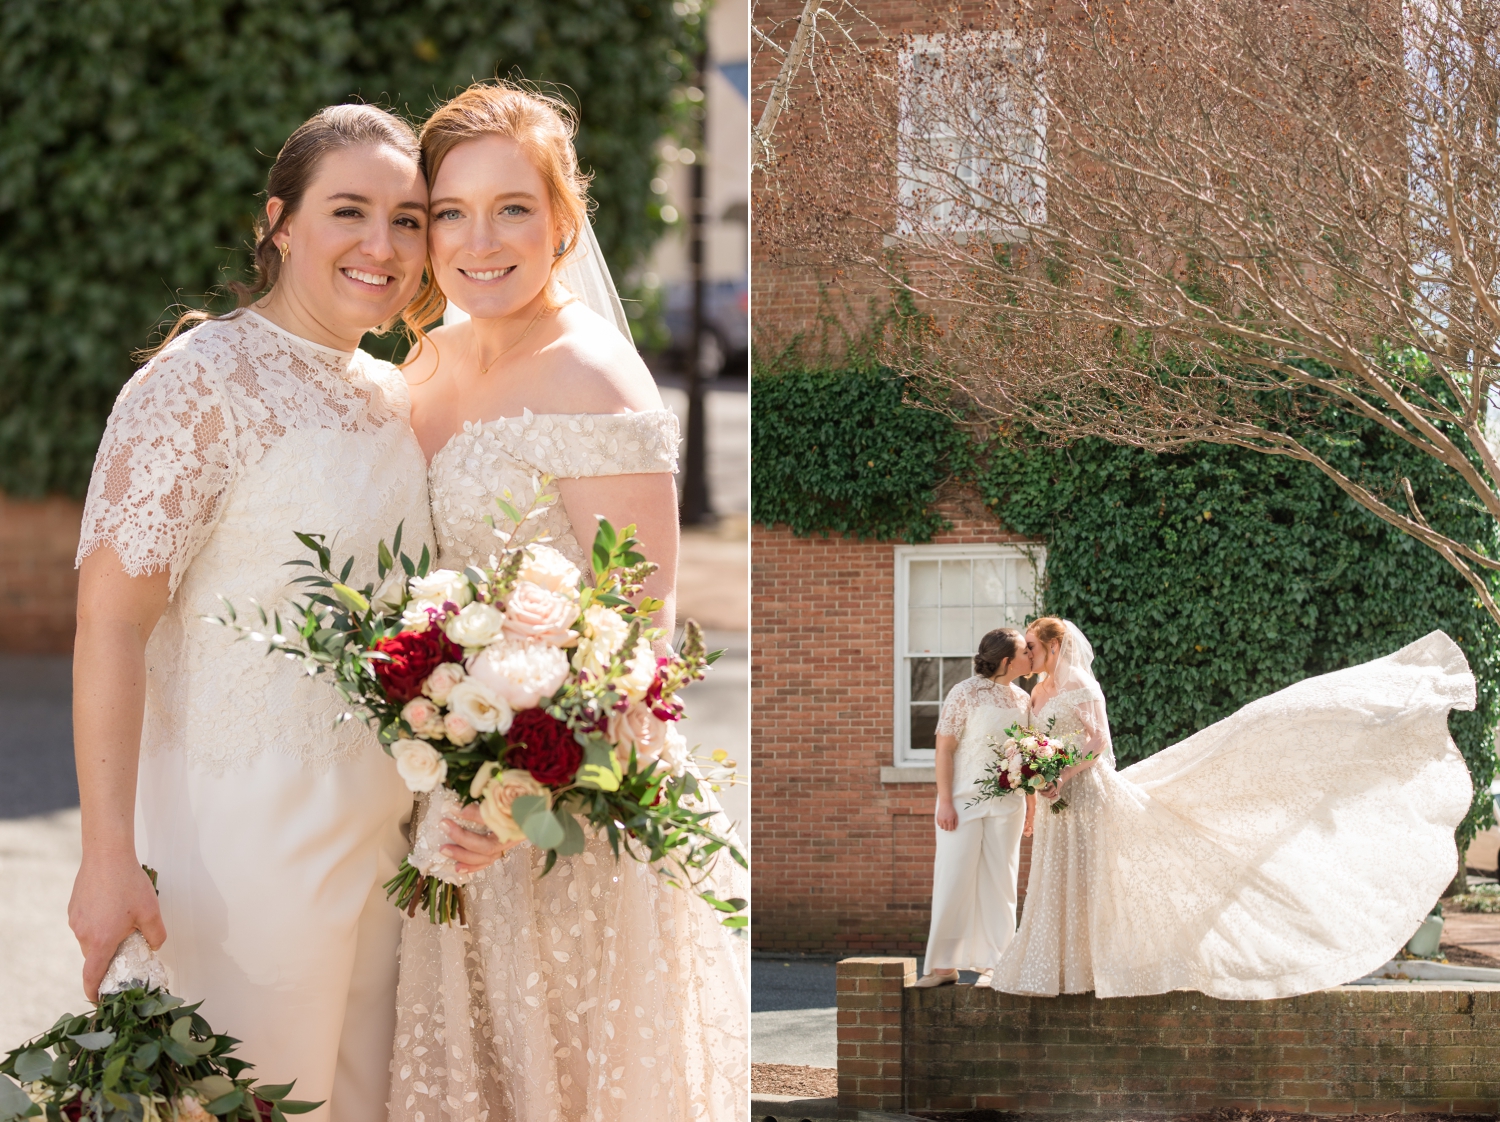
(984, 980)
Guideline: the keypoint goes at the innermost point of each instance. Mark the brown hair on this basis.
(997, 648)
(543, 126)
(1049, 629)
(328, 130)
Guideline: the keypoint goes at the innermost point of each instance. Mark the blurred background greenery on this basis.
(135, 137)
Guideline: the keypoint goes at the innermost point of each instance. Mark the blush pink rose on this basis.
(639, 728)
(533, 612)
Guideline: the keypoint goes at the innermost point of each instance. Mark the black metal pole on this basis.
(696, 508)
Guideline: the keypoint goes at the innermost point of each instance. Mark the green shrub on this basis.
(136, 134)
(1204, 579)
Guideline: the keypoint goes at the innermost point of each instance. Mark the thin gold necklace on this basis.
(486, 368)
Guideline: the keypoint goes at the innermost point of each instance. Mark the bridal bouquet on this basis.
(140, 1056)
(521, 687)
(1029, 761)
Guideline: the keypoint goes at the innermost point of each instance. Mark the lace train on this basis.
(1292, 846)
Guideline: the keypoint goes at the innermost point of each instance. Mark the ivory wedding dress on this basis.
(598, 991)
(272, 826)
(1292, 846)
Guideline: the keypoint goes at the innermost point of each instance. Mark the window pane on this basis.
(986, 620)
(924, 584)
(922, 630)
(989, 580)
(924, 719)
(955, 670)
(956, 583)
(957, 629)
(924, 679)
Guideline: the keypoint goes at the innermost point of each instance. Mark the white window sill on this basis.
(908, 775)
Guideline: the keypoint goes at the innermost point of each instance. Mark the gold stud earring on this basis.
(285, 248)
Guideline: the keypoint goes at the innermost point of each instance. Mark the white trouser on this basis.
(974, 892)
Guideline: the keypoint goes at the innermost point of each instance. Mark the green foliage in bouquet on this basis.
(638, 806)
(141, 1055)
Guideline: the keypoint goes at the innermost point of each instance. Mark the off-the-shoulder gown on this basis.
(598, 991)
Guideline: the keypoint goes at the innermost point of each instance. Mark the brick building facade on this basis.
(843, 821)
(844, 837)
(38, 585)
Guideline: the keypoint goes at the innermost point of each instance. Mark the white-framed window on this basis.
(971, 135)
(947, 597)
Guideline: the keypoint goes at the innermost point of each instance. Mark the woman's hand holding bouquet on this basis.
(1030, 762)
(521, 688)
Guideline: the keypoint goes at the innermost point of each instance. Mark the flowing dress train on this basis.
(1293, 846)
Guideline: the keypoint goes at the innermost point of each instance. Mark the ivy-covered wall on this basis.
(136, 134)
(1204, 579)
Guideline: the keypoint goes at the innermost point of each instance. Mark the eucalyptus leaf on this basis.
(573, 839)
(14, 1102)
(295, 1106)
(93, 1041)
(525, 806)
(33, 1064)
(543, 828)
(147, 1055)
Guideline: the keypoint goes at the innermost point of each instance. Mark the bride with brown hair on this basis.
(597, 991)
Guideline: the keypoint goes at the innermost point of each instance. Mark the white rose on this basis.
(442, 586)
(603, 632)
(425, 718)
(392, 591)
(640, 671)
(1046, 751)
(499, 795)
(1029, 744)
(475, 626)
(459, 730)
(478, 704)
(546, 567)
(441, 681)
(419, 764)
(532, 612)
(674, 753)
(521, 672)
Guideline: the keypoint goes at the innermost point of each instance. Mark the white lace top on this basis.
(233, 437)
(511, 453)
(978, 711)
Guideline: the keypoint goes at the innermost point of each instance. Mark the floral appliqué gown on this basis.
(1293, 846)
(272, 825)
(598, 991)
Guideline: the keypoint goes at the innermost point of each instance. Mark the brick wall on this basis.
(38, 585)
(843, 860)
(1353, 1049)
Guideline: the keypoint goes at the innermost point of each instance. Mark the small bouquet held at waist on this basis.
(1029, 761)
(142, 1055)
(522, 687)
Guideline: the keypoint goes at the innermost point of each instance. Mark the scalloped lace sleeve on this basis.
(580, 445)
(163, 468)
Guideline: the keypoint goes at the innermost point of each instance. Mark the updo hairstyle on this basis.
(328, 130)
(544, 127)
(997, 648)
(1049, 629)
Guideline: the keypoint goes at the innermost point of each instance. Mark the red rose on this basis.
(543, 746)
(414, 655)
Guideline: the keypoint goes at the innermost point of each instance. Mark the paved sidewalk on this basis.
(40, 964)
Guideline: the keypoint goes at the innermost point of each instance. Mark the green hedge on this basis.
(1204, 579)
(136, 134)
